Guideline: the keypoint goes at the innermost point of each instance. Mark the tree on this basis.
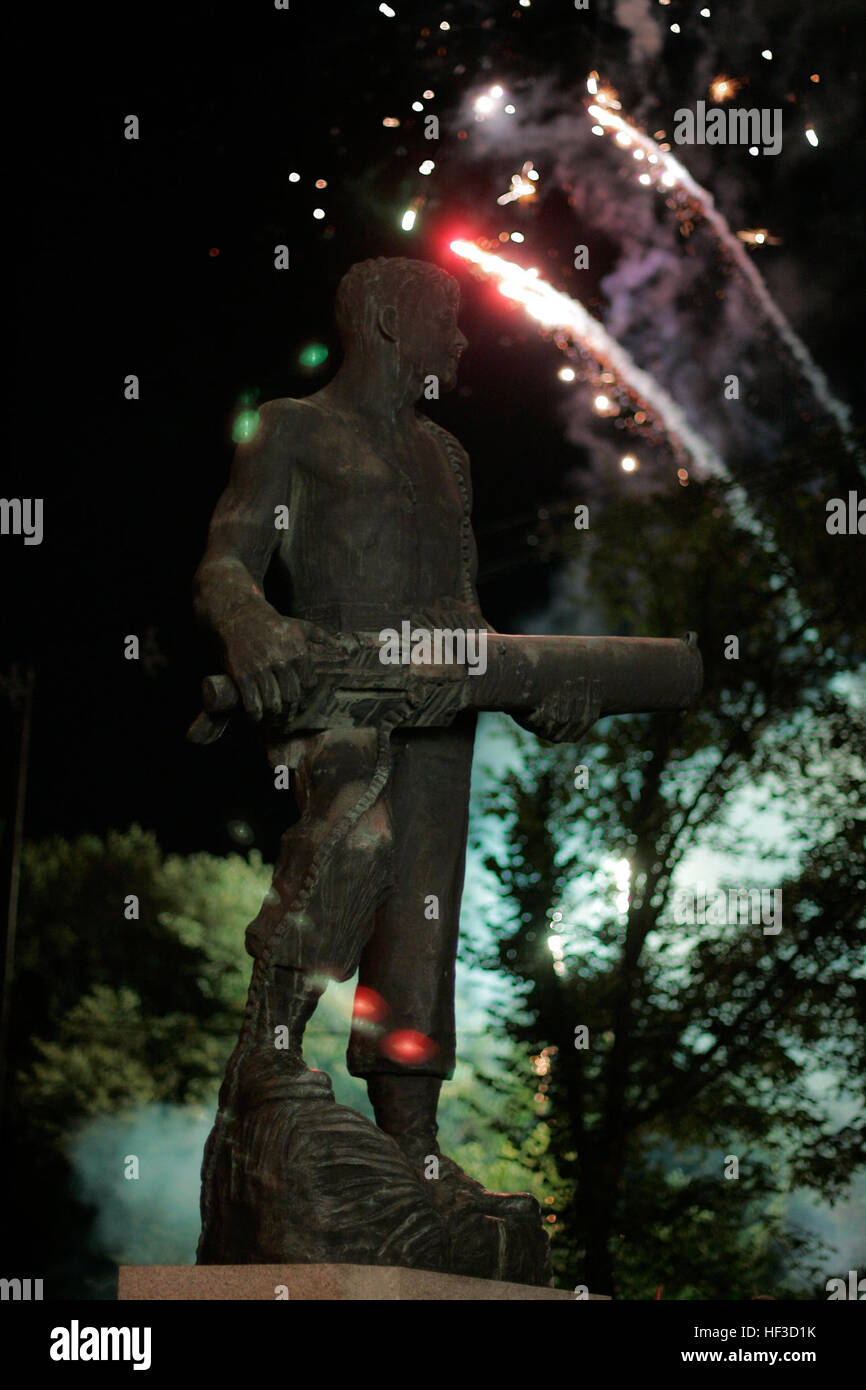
(131, 983)
(702, 1038)
(129, 990)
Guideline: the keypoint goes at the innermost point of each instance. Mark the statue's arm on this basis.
(242, 535)
(262, 648)
(466, 610)
(565, 715)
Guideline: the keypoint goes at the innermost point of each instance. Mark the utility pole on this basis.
(19, 689)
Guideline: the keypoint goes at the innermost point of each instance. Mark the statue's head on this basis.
(410, 304)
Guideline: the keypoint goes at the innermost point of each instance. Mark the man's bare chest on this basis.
(380, 515)
(384, 474)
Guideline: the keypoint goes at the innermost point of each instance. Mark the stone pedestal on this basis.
(327, 1283)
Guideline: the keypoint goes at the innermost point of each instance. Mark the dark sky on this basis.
(113, 274)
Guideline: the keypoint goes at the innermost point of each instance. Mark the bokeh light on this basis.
(313, 355)
(244, 428)
(409, 1047)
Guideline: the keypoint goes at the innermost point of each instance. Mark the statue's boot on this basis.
(273, 1068)
(405, 1107)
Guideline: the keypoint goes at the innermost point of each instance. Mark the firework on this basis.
(722, 88)
(659, 167)
(758, 236)
(522, 185)
(557, 311)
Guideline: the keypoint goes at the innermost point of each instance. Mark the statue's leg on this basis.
(409, 959)
(335, 865)
(289, 1175)
(334, 868)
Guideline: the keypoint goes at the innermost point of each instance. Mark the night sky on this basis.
(114, 273)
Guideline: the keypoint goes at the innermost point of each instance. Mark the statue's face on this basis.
(430, 339)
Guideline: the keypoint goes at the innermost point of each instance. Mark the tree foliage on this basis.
(704, 1040)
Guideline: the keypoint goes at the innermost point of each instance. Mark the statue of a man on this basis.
(378, 501)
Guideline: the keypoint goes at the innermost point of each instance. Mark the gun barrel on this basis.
(638, 675)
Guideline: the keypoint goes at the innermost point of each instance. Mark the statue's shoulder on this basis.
(445, 437)
(284, 407)
(289, 418)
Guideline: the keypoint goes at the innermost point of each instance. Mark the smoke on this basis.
(841, 1226)
(152, 1218)
(679, 297)
(645, 38)
(558, 311)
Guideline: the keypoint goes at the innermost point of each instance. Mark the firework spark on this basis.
(659, 167)
(758, 236)
(722, 88)
(522, 185)
(557, 311)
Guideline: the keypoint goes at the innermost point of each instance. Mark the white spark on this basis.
(556, 310)
(676, 173)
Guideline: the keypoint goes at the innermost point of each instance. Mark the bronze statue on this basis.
(378, 548)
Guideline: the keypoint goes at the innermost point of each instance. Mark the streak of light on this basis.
(672, 174)
(555, 310)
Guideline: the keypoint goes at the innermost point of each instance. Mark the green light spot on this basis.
(245, 426)
(313, 355)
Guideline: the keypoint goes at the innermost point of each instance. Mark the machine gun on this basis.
(353, 687)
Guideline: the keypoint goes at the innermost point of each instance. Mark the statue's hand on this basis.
(567, 713)
(268, 658)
